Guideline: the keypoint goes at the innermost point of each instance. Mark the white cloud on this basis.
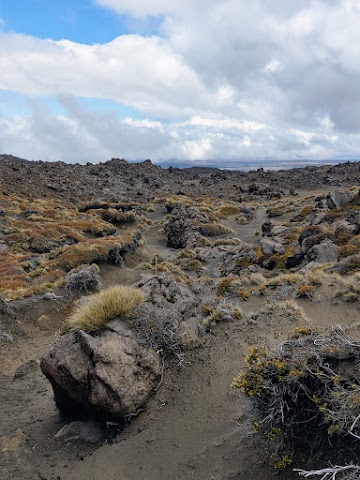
(224, 79)
(138, 71)
(272, 66)
(225, 124)
(79, 135)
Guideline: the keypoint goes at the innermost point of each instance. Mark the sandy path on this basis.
(190, 429)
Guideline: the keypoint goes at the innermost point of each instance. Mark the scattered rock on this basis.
(164, 291)
(26, 369)
(272, 245)
(325, 252)
(338, 199)
(86, 431)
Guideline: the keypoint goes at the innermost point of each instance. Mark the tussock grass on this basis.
(214, 229)
(227, 210)
(227, 242)
(289, 278)
(104, 306)
(289, 306)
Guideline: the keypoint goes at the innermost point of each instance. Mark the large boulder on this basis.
(164, 291)
(272, 245)
(106, 373)
(338, 199)
(177, 228)
(324, 252)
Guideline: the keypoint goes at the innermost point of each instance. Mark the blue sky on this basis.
(81, 21)
(198, 80)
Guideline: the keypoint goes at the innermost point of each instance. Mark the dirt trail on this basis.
(193, 429)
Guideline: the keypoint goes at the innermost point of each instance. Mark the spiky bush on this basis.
(305, 392)
(117, 301)
(85, 280)
(157, 328)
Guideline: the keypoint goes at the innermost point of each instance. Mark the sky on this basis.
(180, 80)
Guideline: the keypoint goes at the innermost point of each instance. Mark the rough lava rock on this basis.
(164, 291)
(106, 373)
(325, 252)
(338, 199)
(177, 228)
(272, 245)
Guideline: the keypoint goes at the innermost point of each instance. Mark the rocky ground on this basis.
(230, 259)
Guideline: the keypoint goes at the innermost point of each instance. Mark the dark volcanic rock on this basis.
(325, 252)
(177, 228)
(294, 260)
(338, 199)
(106, 373)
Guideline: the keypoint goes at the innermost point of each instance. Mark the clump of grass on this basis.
(305, 291)
(213, 229)
(223, 313)
(192, 266)
(287, 306)
(350, 288)
(144, 266)
(116, 217)
(245, 294)
(227, 210)
(257, 279)
(227, 241)
(202, 241)
(316, 277)
(283, 278)
(304, 212)
(228, 284)
(241, 220)
(117, 301)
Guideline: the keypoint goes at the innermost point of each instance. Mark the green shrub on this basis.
(304, 392)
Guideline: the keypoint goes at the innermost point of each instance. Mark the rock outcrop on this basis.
(106, 373)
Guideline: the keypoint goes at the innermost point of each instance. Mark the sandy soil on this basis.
(196, 427)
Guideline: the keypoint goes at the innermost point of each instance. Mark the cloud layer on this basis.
(220, 80)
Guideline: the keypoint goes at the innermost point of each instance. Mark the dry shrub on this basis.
(228, 284)
(228, 241)
(222, 313)
(316, 277)
(305, 291)
(227, 210)
(355, 241)
(104, 306)
(289, 307)
(305, 392)
(284, 278)
(157, 328)
(192, 266)
(347, 250)
(116, 217)
(350, 288)
(241, 220)
(257, 279)
(304, 212)
(213, 229)
(85, 280)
